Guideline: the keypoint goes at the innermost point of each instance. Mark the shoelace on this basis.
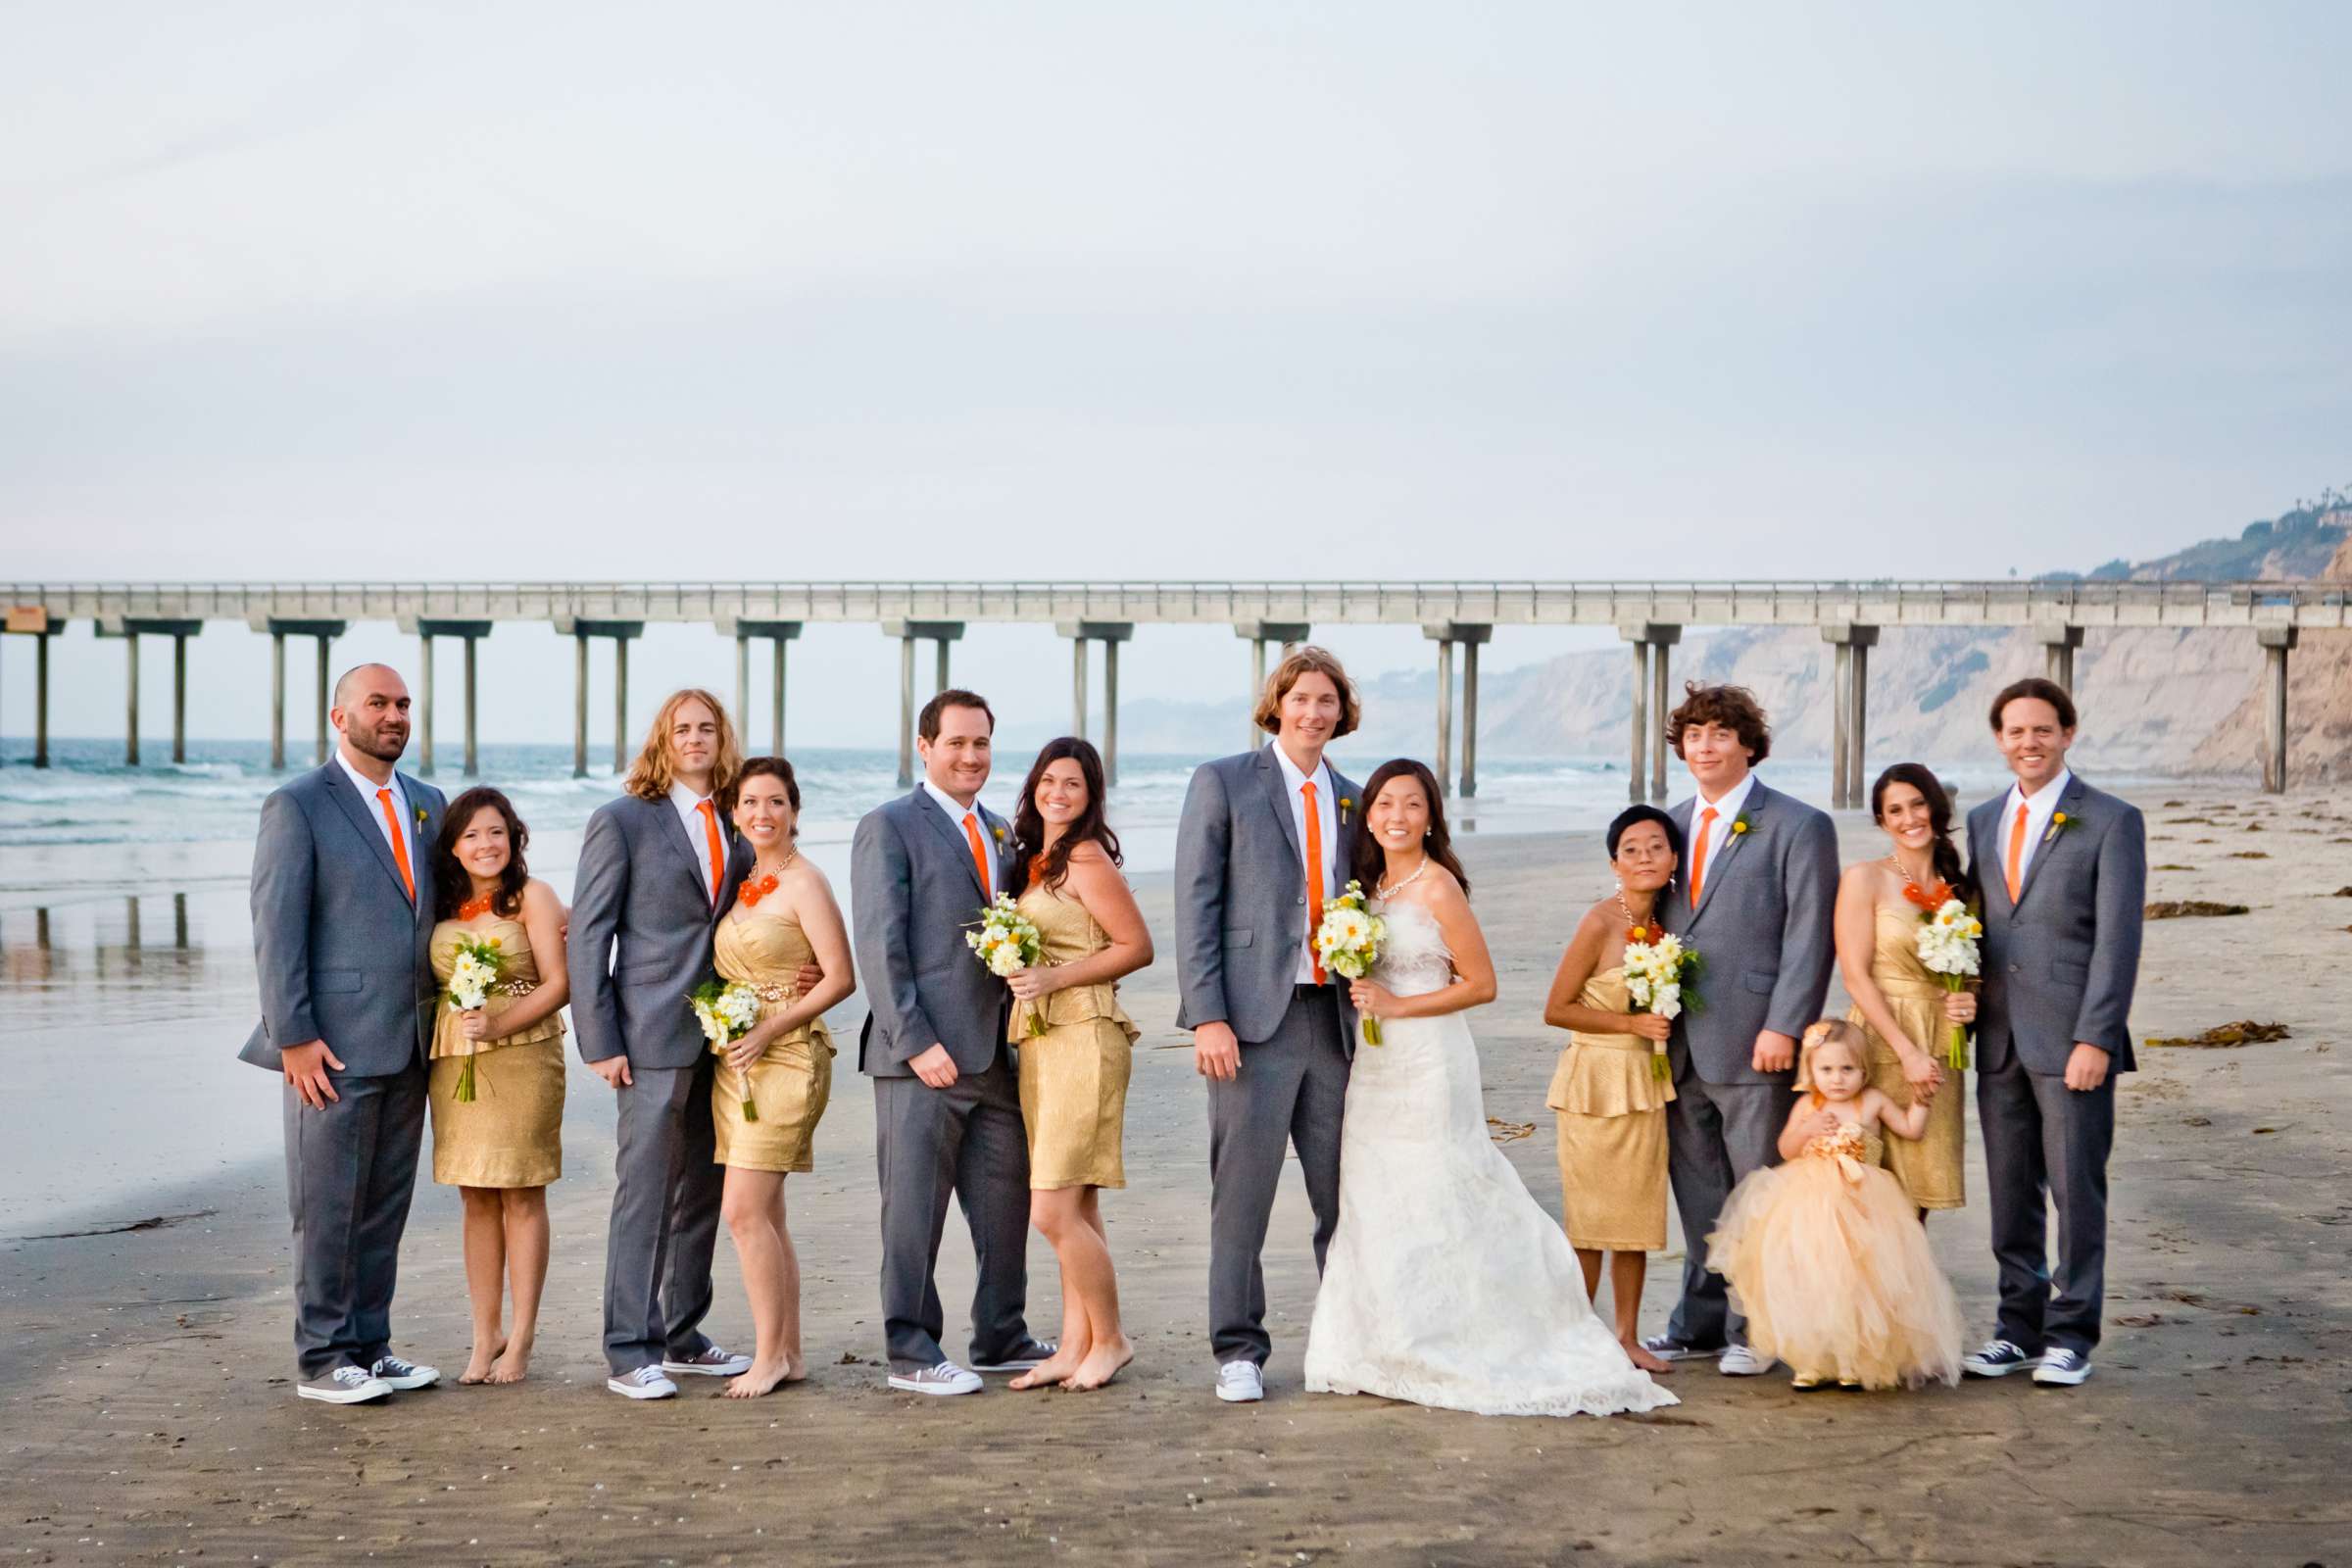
(351, 1375)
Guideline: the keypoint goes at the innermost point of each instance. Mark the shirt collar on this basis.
(1290, 769)
(685, 799)
(2048, 793)
(1734, 800)
(946, 802)
(368, 786)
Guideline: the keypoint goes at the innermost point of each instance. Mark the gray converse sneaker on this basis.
(345, 1385)
(1997, 1358)
(405, 1375)
(646, 1383)
(711, 1362)
(945, 1378)
(1030, 1354)
(1666, 1347)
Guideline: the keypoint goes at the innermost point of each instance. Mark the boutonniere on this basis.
(421, 815)
(1346, 804)
(2058, 822)
(999, 832)
(1741, 824)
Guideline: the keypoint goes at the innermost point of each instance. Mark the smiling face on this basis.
(1837, 1071)
(1398, 816)
(765, 815)
(2032, 741)
(1310, 714)
(958, 760)
(693, 740)
(1718, 760)
(1060, 797)
(1905, 815)
(371, 710)
(1645, 861)
(484, 849)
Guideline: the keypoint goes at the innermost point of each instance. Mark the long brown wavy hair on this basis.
(453, 884)
(1029, 824)
(651, 775)
(1370, 859)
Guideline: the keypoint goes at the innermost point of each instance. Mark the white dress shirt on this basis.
(2040, 806)
(375, 810)
(1719, 833)
(957, 814)
(1327, 810)
(689, 806)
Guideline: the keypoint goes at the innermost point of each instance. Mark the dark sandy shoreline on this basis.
(144, 1413)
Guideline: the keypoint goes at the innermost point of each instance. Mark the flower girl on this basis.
(1823, 1252)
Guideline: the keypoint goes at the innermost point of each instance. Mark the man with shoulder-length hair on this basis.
(947, 1089)
(2064, 870)
(1265, 838)
(342, 918)
(1756, 896)
(658, 869)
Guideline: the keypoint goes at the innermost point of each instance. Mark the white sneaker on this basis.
(345, 1385)
(405, 1375)
(2061, 1367)
(1738, 1361)
(1240, 1383)
(713, 1363)
(947, 1378)
(646, 1383)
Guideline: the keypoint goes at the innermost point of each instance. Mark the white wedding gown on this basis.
(1446, 1284)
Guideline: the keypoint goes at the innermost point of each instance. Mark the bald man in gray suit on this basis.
(342, 914)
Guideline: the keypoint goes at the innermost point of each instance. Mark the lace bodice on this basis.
(1413, 959)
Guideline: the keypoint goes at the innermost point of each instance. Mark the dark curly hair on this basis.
(1029, 824)
(1735, 707)
(453, 884)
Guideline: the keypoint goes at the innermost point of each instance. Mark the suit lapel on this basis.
(1349, 820)
(953, 832)
(1724, 857)
(1985, 848)
(697, 855)
(423, 831)
(1278, 799)
(368, 823)
(2070, 802)
(739, 866)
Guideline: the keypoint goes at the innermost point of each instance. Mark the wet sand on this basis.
(145, 1413)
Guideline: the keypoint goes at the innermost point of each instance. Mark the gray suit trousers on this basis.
(1715, 1134)
(1291, 1090)
(2042, 1138)
(349, 1171)
(965, 1141)
(665, 1217)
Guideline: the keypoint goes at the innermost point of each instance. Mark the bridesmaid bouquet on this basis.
(1948, 937)
(1349, 942)
(727, 1012)
(476, 973)
(1007, 941)
(1661, 977)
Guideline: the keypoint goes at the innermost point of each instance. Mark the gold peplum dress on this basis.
(510, 1134)
(793, 1079)
(1073, 1077)
(1612, 1131)
(1931, 1169)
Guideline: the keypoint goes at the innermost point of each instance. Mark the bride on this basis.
(1446, 1284)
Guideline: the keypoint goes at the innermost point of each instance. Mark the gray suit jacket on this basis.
(1241, 895)
(914, 892)
(337, 945)
(1764, 929)
(2061, 963)
(642, 923)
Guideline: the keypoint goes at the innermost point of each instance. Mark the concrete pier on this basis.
(1849, 706)
(622, 633)
(908, 633)
(1257, 634)
(426, 630)
(280, 629)
(744, 633)
(34, 621)
(2058, 645)
(1651, 662)
(2275, 642)
(1467, 635)
(1109, 633)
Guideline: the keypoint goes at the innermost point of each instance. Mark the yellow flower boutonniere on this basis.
(1740, 825)
(421, 817)
(2058, 821)
(1000, 833)
(1347, 805)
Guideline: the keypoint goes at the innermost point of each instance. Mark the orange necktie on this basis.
(1698, 855)
(718, 854)
(1315, 875)
(400, 846)
(2017, 850)
(972, 836)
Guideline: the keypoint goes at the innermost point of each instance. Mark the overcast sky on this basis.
(1211, 290)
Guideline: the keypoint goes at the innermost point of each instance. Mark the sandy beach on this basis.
(146, 1413)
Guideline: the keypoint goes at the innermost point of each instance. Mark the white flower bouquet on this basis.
(1007, 941)
(474, 974)
(1349, 942)
(727, 1011)
(1661, 977)
(1949, 949)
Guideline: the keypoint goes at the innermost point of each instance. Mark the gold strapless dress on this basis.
(1612, 1132)
(510, 1134)
(1832, 1266)
(793, 1079)
(1930, 1169)
(1073, 1077)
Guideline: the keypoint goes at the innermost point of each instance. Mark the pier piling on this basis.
(2275, 642)
(907, 632)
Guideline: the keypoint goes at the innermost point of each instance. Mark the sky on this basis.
(1221, 291)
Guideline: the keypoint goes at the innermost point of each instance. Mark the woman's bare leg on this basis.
(485, 1245)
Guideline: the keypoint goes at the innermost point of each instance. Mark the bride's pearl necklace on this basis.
(1384, 891)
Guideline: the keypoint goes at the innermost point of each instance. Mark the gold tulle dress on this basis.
(510, 1134)
(1074, 1076)
(1611, 1112)
(793, 1079)
(1831, 1264)
(1931, 1169)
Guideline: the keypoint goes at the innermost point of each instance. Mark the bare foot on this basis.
(1101, 1366)
(763, 1378)
(1063, 1363)
(1645, 1361)
(513, 1363)
(478, 1364)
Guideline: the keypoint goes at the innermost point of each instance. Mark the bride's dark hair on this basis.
(1370, 859)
